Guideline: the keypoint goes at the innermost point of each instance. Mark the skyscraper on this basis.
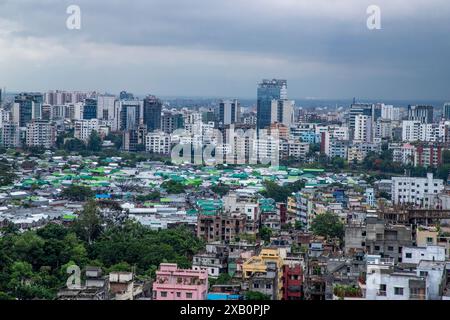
(269, 90)
(282, 112)
(171, 121)
(27, 106)
(447, 111)
(363, 109)
(424, 114)
(229, 112)
(130, 114)
(90, 109)
(152, 113)
(105, 107)
(126, 96)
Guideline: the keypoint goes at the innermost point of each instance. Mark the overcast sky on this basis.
(224, 47)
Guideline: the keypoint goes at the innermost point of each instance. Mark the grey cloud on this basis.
(410, 51)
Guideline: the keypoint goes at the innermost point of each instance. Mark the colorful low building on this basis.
(292, 282)
(173, 283)
(257, 265)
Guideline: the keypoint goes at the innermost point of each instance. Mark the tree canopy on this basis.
(328, 225)
(77, 193)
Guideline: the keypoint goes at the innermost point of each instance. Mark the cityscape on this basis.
(213, 157)
(353, 203)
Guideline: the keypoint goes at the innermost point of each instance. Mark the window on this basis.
(256, 286)
(178, 294)
(268, 286)
(423, 273)
(398, 291)
(390, 248)
(429, 240)
(188, 295)
(377, 248)
(382, 290)
(408, 255)
(164, 294)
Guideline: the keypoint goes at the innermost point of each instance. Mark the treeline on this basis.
(33, 264)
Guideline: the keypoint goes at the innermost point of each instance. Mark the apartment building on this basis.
(421, 192)
(40, 133)
(173, 283)
(158, 142)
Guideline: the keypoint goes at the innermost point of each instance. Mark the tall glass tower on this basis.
(269, 90)
(152, 113)
(447, 111)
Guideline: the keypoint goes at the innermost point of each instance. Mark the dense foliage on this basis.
(77, 193)
(33, 264)
(7, 175)
(328, 225)
(255, 295)
(173, 187)
(280, 193)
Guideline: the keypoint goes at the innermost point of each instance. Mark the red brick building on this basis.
(292, 282)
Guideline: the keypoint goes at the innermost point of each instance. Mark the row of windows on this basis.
(188, 295)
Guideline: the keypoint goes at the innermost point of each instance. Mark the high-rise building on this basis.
(105, 107)
(269, 90)
(27, 106)
(363, 109)
(209, 116)
(46, 113)
(40, 133)
(126, 96)
(90, 109)
(84, 128)
(424, 114)
(158, 142)
(171, 121)
(152, 113)
(363, 128)
(282, 111)
(130, 114)
(10, 135)
(447, 111)
(229, 112)
(134, 140)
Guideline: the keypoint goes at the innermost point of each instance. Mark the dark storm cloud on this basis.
(323, 46)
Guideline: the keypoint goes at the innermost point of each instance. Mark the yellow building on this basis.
(258, 264)
(426, 237)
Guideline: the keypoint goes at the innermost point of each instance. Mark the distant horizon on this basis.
(205, 97)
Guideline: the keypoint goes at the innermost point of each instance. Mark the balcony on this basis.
(417, 297)
(381, 293)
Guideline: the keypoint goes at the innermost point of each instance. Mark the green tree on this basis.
(152, 196)
(173, 187)
(120, 267)
(95, 142)
(265, 233)
(7, 174)
(328, 225)
(446, 157)
(74, 145)
(89, 223)
(77, 193)
(221, 189)
(254, 295)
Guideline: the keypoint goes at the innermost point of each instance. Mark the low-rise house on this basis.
(173, 283)
(414, 255)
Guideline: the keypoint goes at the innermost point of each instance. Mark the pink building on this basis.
(179, 284)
